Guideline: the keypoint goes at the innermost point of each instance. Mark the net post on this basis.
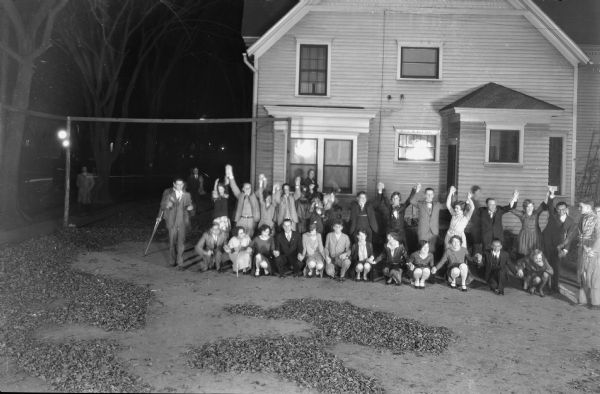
(67, 174)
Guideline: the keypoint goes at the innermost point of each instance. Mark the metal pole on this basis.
(67, 174)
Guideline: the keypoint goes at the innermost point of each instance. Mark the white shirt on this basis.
(563, 218)
(178, 194)
(496, 254)
(288, 236)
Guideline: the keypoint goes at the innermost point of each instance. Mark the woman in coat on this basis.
(362, 255)
(394, 257)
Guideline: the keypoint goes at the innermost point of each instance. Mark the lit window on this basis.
(414, 146)
(303, 157)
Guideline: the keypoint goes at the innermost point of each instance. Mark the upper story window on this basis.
(313, 69)
(419, 62)
(504, 145)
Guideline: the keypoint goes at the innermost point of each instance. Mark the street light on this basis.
(65, 137)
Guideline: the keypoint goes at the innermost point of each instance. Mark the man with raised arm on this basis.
(247, 212)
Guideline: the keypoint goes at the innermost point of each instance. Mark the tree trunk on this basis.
(102, 157)
(15, 122)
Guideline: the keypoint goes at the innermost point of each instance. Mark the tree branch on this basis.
(15, 18)
(18, 58)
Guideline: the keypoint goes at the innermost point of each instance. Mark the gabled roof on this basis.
(532, 12)
(494, 96)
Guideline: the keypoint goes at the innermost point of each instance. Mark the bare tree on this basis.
(26, 34)
(110, 41)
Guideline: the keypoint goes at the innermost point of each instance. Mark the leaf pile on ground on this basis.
(39, 288)
(298, 359)
(98, 367)
(343, 321)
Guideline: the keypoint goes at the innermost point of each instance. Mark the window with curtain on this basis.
(302, 157)
(416, 147)
(312, 70)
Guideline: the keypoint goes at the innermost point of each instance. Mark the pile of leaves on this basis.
(97, 367)
(297, 359)
(342, 321)
(38, 288)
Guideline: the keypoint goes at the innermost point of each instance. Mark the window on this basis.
(337, 166)
(419, 62)
(332, 159)
(312, 70)
(417, 145)
(303, 157)
(504, 146)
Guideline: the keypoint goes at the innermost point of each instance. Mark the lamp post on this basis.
(65, 137)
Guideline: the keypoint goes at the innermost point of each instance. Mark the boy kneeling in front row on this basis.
(496, 262)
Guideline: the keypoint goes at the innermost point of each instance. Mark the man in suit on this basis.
(176, 206)
(362, 216)
(558, 237)
(472, 229)
(247, 212)
(288, 244)
(490, 220)
(391, 212)
(286, 203)
(496, 262)
(195, 185)
(337, 251)
(429, 217)
(210, 248)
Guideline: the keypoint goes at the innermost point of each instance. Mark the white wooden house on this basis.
(439, 92)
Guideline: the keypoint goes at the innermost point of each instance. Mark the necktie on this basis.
(288, 236)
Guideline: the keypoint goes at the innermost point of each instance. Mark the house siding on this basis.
(476, 49)
(499, 181)
(588, 114)
(265, 148)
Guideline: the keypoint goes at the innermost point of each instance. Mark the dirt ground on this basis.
(515, 343)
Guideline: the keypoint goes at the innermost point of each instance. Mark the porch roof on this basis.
(494, 96)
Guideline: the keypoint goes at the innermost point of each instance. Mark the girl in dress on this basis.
(460, 217)
(220, 207)
(240, 252)
(313, 252)
(263, 246)
(362, 255)
(457, 258)
(420, 263)
(530, 236)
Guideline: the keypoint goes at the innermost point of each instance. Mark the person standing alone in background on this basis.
(85, 184)
(176, 206)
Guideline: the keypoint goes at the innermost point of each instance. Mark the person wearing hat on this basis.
(394, 257)
(558, 237)
(588, 258)
(337, 251)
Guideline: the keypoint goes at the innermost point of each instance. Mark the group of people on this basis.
(300, 229)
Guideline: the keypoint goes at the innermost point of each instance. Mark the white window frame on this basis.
(321, 137)
(300, 42)
(564, 160)
(438, 45)
(414, 131)
(512, 127)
